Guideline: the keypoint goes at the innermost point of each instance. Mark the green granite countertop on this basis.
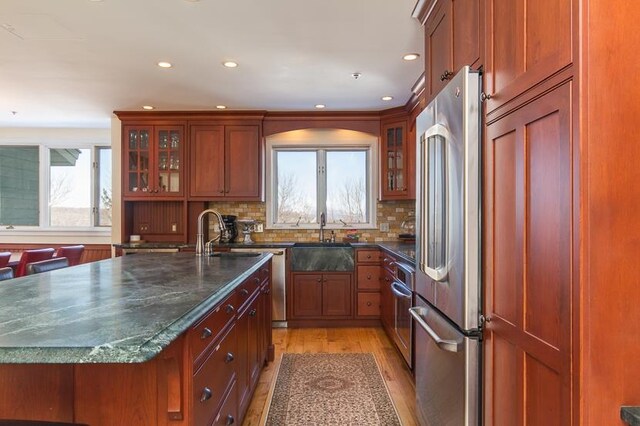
(121, 310)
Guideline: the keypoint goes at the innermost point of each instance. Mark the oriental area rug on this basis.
(330, 389)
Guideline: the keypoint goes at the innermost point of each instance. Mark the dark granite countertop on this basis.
(631, 415)
(121, 310)
(404, 250)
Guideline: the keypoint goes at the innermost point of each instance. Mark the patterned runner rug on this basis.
(330, 389)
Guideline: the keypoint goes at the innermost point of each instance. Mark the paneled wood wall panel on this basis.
(529, 177)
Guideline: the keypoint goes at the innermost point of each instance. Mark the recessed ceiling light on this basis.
(147, 107)
(320, 106)
(165, 64)
(230, 64)
(221, 107)
(387, 98)
(411, 56)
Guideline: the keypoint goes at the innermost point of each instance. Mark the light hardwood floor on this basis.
(312, 340)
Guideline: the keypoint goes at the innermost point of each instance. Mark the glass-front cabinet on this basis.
(153, 161)
(394, 161)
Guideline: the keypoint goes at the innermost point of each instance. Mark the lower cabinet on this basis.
(321, 295)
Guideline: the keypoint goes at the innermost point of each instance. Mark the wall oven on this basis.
(402, 290)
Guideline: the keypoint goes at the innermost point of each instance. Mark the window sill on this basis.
(55, 235)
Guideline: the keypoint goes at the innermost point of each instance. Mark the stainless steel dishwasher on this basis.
(278, 268)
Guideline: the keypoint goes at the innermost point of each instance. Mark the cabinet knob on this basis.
(228, 358)
(368, 256)
(267, 291)
(368, 303)
(446, 75)
(368, 276)
(253, 312)
(229, 309)
(244, 292)
(485, 96)
(230, 420)
(206, 333)
(221, 191)
(319, 280)
(206, 394)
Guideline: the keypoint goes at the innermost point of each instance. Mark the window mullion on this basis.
(45, 184)
(322, 182)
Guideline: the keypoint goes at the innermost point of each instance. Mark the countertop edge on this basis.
(631, 415)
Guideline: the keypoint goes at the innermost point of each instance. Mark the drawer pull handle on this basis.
(230, 309)
(206, 333)
(228, 358)
(206, 394)
(253, 312)
(244, 292)
(230, 420)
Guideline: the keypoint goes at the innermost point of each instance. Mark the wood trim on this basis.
(423, 10)
(278, 122)
(314, 323)
(163, 116)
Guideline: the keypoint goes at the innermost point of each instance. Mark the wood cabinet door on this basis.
(526, 42)
(394, 161)
(307, 295)
(243, 162)
(336, 295)
(169, 161)
(438, 49)
(467, 34)
(206, 156)
(531, 218)
(137, 160)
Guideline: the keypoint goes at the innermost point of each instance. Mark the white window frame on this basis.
(72, 139)
(368, 144)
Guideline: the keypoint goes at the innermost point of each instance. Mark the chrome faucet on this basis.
(323, 223)
(201, 247)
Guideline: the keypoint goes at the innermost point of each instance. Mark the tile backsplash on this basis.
(391, 212)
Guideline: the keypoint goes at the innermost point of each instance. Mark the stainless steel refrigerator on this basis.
(447, 305)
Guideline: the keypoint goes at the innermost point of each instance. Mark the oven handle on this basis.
(447, 345)
(399, 290)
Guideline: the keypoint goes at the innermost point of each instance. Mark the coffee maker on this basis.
(231, 229)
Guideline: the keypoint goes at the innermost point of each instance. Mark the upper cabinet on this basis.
(395, 172)
(527, 42)
(453, 37)
(153, 161)
(225, 162)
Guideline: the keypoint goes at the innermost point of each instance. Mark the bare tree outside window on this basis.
(292, 206)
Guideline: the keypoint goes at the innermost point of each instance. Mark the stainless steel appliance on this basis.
(278, 273)
(447, 301)
(402, 290)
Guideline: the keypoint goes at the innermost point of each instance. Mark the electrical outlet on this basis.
(384, 227)
(259, 227)
(174, 227)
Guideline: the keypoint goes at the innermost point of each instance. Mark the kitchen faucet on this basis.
(323, 223)
(201, 247)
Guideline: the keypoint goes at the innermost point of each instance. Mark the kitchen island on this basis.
(143, 340)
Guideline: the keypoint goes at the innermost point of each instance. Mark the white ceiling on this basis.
(70, 63)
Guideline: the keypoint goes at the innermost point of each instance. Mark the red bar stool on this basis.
(6, 273)
(30, 256)
(4, 258)
(73, 253)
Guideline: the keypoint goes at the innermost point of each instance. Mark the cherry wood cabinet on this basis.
(529, 181)
(225, 162)
(153, 160)
(453, 39)
(321, 295)
(368, 279)
(395, 173)
(526, 43)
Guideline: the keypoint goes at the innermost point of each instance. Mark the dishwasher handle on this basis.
(447, 345)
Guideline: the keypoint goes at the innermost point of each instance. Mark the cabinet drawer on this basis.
(368, 304)
(368, 256)
(247, 290)
(208, 330)
(228, 414)
(369, 277)
(212, 379)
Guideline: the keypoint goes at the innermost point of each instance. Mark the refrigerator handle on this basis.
(433, 218)
(447, 345)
